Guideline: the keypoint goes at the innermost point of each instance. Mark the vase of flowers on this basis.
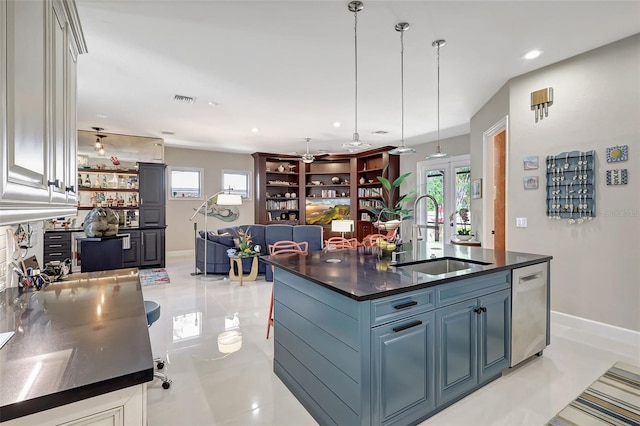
(245, 245)
(463, 233)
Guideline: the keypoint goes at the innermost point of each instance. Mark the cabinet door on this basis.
(403, 369)
(152, 184)
(131, 256)
(152, 194)
(71, 129)
(494, 333)
(152, 247)
(56, 37)
(23, 91)
(456, 339)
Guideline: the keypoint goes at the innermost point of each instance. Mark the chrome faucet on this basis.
(417, 227)
(394, 256)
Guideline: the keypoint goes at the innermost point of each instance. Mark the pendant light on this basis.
(438, 154)
(402, 149)
(356, 143)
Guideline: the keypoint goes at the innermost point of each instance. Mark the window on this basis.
(185, 183)
(238, 181)
(448, 181)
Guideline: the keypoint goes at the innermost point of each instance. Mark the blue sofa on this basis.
(262, 235)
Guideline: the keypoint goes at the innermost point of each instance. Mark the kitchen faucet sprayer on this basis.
(417, 227)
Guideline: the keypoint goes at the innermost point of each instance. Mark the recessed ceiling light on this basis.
(380, 132)
(213, 103)
(254, 130)
(532, 54)
(101, 116)
(336, 124)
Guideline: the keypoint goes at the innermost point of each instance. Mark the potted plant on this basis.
(389, 214)
(463, 233)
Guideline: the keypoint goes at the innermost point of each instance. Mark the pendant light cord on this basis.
(438, 113)
(355, 31)
(402, 82)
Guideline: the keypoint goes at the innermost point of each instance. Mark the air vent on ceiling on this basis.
(380, 132)
(167, 133)
(185, 99)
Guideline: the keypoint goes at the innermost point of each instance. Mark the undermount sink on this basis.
(441, 266)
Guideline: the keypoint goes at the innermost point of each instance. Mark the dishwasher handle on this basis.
(530, 277)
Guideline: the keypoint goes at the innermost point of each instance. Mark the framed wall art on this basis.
(530, 163)
(531, 182)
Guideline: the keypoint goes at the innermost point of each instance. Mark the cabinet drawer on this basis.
(57, 255)
(57, 237)
(458, 291)
(57, 246)
(394, 307)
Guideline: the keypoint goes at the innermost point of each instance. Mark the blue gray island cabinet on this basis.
(359, 342)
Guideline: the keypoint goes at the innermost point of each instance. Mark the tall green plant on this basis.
(400, 208)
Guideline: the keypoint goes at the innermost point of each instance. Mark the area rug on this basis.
(153, 276)
(613, 399)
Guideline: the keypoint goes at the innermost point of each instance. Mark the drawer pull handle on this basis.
(405, 305)
(406, 326)
(54, 254)
(531, 277)
(55, 237)
(55, 245)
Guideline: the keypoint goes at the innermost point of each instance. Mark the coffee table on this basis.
(237, 274)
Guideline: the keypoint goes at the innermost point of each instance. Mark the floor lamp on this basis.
(224, 199)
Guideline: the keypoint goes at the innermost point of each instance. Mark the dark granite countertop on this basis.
(364, 276)
(75, 339)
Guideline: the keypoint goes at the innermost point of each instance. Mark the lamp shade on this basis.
(229, 200)
(342, 226)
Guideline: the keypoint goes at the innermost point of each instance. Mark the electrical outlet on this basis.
(521, 222)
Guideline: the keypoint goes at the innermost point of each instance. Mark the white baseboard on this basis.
(180, 253)
(601, 329)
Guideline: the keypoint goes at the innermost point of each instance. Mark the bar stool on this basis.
(284, 247)
(152, 311)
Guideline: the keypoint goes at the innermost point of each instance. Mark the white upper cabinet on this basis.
(38, 141)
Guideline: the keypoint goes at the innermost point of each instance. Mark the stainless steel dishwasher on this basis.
(528, 311)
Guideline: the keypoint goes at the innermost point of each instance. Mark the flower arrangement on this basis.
(464, 215)
(245, 245)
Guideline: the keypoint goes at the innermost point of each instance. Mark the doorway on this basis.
(494, 205)
(448, 181)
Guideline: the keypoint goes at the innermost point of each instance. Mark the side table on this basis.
(238, 275)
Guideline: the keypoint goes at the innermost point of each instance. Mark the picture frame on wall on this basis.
(530, 163)
(530, 182)
(476, 188)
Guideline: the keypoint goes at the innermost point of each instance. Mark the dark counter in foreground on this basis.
(74, 340)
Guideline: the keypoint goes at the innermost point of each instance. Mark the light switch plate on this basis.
(521, 222)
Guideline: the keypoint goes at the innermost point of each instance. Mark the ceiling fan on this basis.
(307, 157)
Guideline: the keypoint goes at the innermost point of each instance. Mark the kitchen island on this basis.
(361, 341)
(80, 353)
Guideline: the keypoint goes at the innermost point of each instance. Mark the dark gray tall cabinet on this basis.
(149, 241)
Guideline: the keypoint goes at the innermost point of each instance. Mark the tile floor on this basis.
(211, 387)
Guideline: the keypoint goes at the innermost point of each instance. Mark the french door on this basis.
(448, 181)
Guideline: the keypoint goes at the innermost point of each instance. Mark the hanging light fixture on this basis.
(98, 145)
(438, 154)
(356, 143)
(402, 149)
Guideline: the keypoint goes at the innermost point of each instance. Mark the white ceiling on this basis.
(287, 67)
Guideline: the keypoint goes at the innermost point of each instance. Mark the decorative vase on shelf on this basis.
(281, 168)
(362, 180)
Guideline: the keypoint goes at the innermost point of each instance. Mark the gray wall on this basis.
(595, 273)
(180, 229)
